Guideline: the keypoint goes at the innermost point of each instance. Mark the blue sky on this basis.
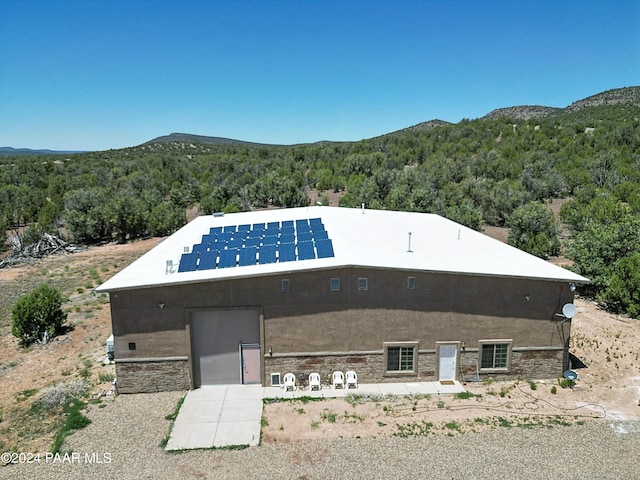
(95, 75)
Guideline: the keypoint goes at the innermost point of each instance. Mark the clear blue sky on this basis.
(94, 75)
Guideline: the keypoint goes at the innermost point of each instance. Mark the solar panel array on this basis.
(259, 244)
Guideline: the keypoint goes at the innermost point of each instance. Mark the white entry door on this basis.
(448, 362)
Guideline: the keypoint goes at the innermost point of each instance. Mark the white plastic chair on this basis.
(352, 379)
(314, 381)
(337, 379)
(289, 381)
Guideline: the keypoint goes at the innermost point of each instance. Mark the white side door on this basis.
(448, 362)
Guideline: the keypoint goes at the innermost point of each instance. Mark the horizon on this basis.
(93, 76)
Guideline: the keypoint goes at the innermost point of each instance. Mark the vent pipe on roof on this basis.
(363, 208)
(409, 248)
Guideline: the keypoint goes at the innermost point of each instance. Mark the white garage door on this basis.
(216, 337)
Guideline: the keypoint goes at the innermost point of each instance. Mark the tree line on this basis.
(477, 172)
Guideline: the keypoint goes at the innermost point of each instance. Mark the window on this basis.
(411, 283)
(495, 354)
(400, 357)
(363, 284)
(285, 284)
(335, 284)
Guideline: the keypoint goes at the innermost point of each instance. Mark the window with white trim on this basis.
(401, 357)
(363, 283)
(411, 283)
(495, 355)
(335, 284)
(285, 284)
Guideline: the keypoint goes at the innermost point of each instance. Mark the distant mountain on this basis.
(523, 112)
(426, 126)
(187, 137)
(626, 95)
(617, 96)
(14, 152)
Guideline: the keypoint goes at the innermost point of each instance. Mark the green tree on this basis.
(38, 314)
(533, 229)
(622, 295)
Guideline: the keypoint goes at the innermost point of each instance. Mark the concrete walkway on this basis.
(230, 415)
(218, 416)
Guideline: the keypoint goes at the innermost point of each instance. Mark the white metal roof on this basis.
(367, 238)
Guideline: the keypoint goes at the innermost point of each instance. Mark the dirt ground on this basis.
(25, 373)
(606, 345)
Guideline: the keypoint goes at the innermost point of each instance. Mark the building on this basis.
(395, 296)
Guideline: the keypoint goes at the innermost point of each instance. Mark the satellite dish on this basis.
(570, 375)
(569, 310)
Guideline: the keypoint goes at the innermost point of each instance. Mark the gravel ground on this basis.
(126, 434)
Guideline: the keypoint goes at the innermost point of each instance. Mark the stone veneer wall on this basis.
(152, 376)
(370, 367)
(532, 364)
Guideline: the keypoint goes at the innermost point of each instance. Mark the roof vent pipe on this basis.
(363, 208)
(409, 248)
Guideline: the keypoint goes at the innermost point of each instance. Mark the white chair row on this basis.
(338, 380)
(344, 380)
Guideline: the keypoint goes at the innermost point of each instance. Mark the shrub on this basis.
(60, 393)
(38, 314)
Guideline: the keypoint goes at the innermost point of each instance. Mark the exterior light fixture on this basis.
(572, 287)
(270, 351)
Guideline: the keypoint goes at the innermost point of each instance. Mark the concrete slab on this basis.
(238, 433)
(230, 415)
(192, 435)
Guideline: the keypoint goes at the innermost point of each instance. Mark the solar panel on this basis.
(270, 240)
(208, 260)
(247, 256)
(252, 242)
(287, 238)
(234, 243)
(211, 237)
(304, 236)
(199, 247)
(306, 251)
(267, 254)
(321, 235)
(225, 236)
(188, 262)
(287, 252)
(228, 258)
(325, 248)
(262, 243)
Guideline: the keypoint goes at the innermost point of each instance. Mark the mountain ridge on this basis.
(624, 95)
